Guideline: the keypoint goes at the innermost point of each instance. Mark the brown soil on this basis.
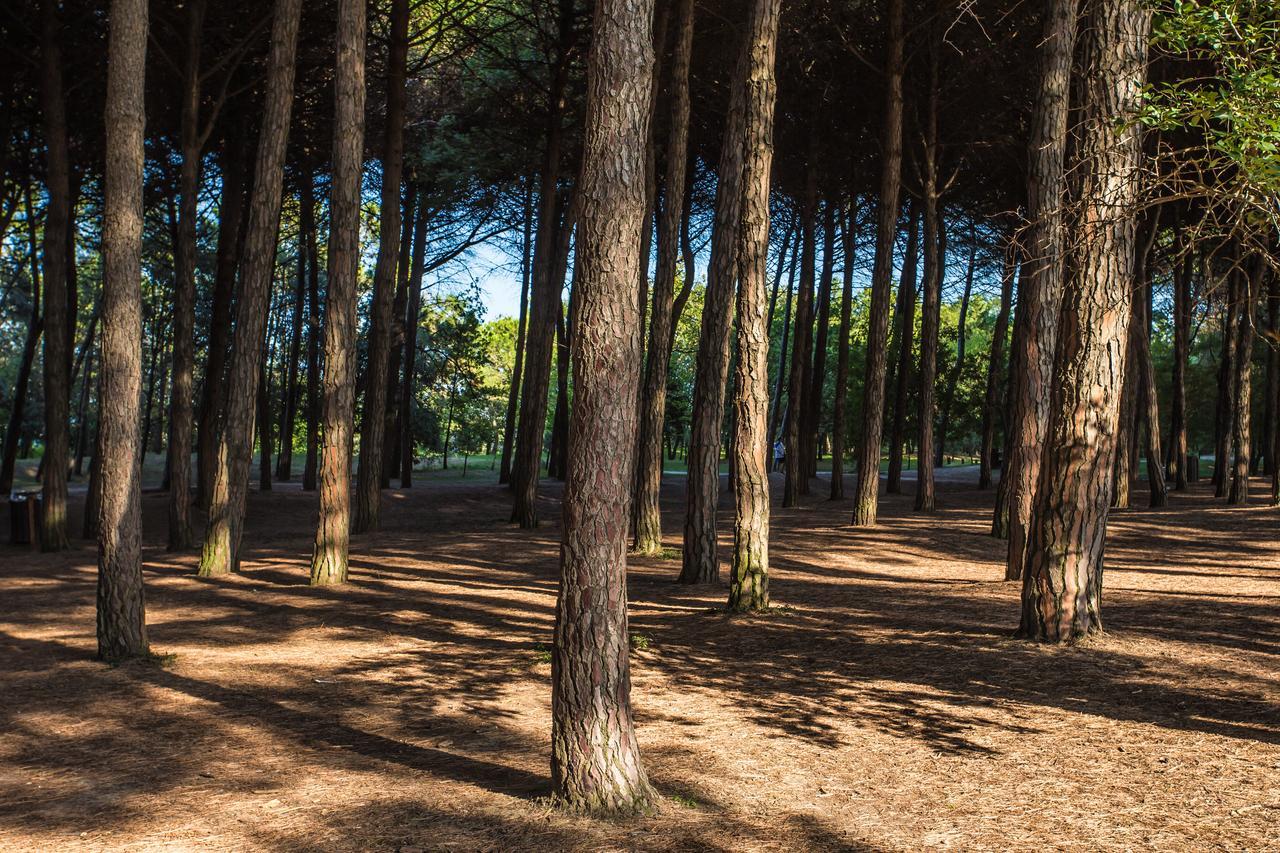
(883, 706)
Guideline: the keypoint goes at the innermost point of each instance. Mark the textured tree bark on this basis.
(905, 314)
(1227, 371)
(57, 297)
(595, 761)
(699, 562)
(1250, 280)
(121, 605)
(647, 522)
(35, 326)
(1125, 432)
(372, 419)
(333, 532)
(867, 494)
(234, 163)
(839, 403)
(1061, 593)
(933, 238)
(545, 295)
(749, 577)
(307, 225)
(993, 406)
(181, 415)
(1181, 348)
(793, 426)
(818, 375)
(1040, 285)
(412, 317)
(513, 394)
(221, 552)
(1140, 334)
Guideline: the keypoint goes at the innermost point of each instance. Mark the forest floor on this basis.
(881, 706)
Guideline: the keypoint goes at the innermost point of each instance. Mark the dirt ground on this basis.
(883, 706)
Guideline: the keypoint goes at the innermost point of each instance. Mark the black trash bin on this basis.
(24, 517)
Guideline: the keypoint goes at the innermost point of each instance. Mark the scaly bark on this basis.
(867, 494)
(1040, 285)
(333, 532)
(1061, 594)
(121, 604)
(749, 577)
(595, 760)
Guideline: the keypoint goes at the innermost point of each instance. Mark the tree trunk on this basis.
(1249, 284)
(184, 296)
(595, 760)
(289, 403)
(57, 299)
(235, 156)
(333, 532)
(1181, 348)
(934, 243)
(221, 552)
(775, 406)
(35, 326)
(1061, 592)
(1040, 284)
(992, 405)
(545, 295)
(412, 316)
(557, 453)
(1227, 369)
(404, 270)
(647, 513)
(513, 392)
(818, 375)
(121, 606)
(372, 420)
(749, 577)
(1125, 431)
(905, 314)
(699, 562)
(793, 427)
(1140, 334)
(867, 495)
(838, 427)
(265, 439)
(307, 226)
(1267, 440)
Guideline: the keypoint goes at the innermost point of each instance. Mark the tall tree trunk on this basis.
(934, 242)
(867, 494)
(1140, 334)
(82, 407)
(372, 420)
(557, 453)
(121, 606)
(545, 294)
(307, 227)
(333, 532)
(802, 332)
(699, 561)
(818, 376)
(749, 577)
(1181, 348)
(35, 326)
(57, 299)
(221, 553)
(993, 406)
(265, 439)
(953, 380)
(1126, 429)
(513, 392)
(404, 273)
(1266, 441)
(1040, 284)
(184, 296)
(234, 161)
(1004, 499)
(412, 316)
(905, 314)
(780, 385)
(1250, 281)
(1227, 369)
(289, 403)
(647, 513)
(838, 426)
(595, 760)
(1061, 592)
